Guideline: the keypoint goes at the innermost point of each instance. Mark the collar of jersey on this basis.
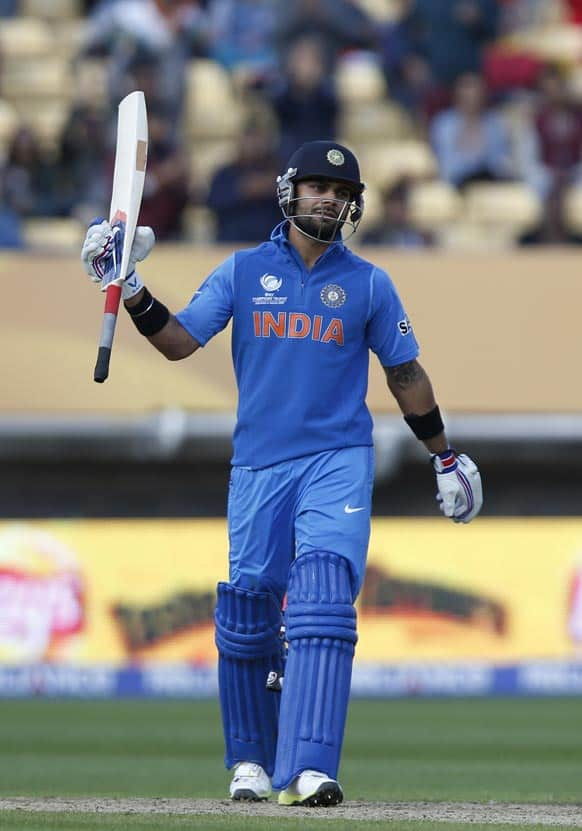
(280, 236)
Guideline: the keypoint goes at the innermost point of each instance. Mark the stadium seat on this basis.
(504, 205)
(58, 10)
(90, 81)
(69, 38)
(465, 235)
(199, 225)
(555, 43)
(434, 205)
(206, 157)
(46, 118)
(9, 121)
(383, 11)
(24, 37)
(40, 78)
(59, 235)
(389, 161)
(212, 109)
(383, 121)
(359, 79)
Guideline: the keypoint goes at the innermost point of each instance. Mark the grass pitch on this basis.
(480, 750)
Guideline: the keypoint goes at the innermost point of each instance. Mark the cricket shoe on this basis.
(313, 790)
(250, 783)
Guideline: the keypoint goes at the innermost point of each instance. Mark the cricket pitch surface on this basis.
(470, 812)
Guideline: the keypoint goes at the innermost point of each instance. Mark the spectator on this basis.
(8, 8)
(304, 100)
(471, 142)
(395, 227)
(10, 226)
(338, 24)
(406, 70)
(241, 38)
(28, 179)
(451, 36)
(166, 184)
(83, 185)
(242, 193)
(153, 38)
(558, 129)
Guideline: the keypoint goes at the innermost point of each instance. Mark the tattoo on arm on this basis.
(405, 375)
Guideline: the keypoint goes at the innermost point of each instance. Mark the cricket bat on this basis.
(128, 180)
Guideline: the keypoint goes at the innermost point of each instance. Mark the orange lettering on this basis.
(257, 324)
(299, 325)
(335, 331)
(277, 326)
(317, 321)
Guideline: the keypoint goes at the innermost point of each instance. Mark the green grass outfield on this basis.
(503, 750)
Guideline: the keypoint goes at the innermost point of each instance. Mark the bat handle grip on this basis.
(112, 299)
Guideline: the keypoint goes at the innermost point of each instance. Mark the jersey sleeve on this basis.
(211, 307)
(388, 331)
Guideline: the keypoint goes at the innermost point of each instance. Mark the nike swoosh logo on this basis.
(349, 510)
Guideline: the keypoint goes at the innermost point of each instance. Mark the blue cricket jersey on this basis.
(300, 345)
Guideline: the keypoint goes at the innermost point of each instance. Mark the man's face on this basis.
(321, 207)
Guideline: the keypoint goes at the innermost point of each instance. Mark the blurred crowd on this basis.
(465, 79)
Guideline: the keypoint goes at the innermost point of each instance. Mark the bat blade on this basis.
(128, 182)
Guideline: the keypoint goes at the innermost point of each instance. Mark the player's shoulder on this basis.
(260, 251)
(359, 263)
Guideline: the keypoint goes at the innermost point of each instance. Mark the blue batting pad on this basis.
(248, 626)
(321, 632)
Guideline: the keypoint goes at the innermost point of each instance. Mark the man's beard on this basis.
(318, 227)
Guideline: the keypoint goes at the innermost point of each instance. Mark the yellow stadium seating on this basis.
(559, 43)
(434, 205)
(51, 9)
(383, 10)
(382, 121)
(39, 77)
(58, 235)
(206, 157)
(25, 37)
(508, 206)
(573, 209)
(212, 109)
(9, 121)
(360, 80)
(386, 162)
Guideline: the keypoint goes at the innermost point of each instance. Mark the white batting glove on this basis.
(460, 492)
(101, 254)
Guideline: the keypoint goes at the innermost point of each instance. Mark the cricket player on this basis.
(306, 313)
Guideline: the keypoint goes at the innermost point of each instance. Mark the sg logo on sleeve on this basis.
(404, 326)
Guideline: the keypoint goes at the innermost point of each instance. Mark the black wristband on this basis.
(149, 315)
(426, 426)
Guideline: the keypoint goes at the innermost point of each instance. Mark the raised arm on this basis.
(152, 319)
(172, 340)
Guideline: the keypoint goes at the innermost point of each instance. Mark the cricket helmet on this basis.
(322, 160)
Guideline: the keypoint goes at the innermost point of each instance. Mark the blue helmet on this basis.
(322, 160)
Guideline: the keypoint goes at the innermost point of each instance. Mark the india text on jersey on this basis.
(298, 325)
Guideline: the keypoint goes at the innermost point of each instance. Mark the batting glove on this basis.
(460, 492)
(101, 254)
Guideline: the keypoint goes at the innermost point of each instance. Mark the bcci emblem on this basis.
(335, 157)
(333, 296)
(271, 283)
